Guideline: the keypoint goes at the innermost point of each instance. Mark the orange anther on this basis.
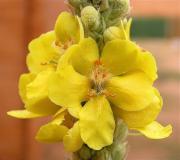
(44, 63)
(98, 62)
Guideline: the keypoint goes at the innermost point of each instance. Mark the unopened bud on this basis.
(119, 7)
(90, 17)
(74, 3)
(85, 153)
(118, 32)
(114, 33)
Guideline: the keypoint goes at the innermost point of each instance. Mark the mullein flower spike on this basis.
(94, 82)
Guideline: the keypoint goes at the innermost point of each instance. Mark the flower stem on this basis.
(116, 151)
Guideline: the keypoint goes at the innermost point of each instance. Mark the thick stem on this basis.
(116, 151)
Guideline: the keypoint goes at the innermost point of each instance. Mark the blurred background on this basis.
(156, 27)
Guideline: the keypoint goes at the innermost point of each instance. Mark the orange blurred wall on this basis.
(21, 21)
(161, 8)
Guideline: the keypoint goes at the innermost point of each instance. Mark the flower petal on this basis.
(119, 56)
(128, 27)
(68, 27)
(147, 63)
(72, 140)
(24, 114)
(68, 88)
(81, 29)
(155, 131)
(97, 123)
(84, 56)
(143, 117)
(59, 117)
(51, 133)
(131, 92)
(43, 54)
(24, 80)
(37, 95)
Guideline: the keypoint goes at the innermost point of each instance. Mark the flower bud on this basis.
(112, 33)
(79, 2)
(119, 8)
(75, 3)
(85, 153)
(118, 32)
(90, 17)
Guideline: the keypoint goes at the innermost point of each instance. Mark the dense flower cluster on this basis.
(85, 87)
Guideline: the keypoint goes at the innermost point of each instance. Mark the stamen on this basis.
(98, 78)
(52, 62)
(44, 63)
(91, 93)
(66, 44)
(98, 62)
(108, 94)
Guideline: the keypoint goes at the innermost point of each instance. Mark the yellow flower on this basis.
(44, 54)
(64, 128)
(90, 84)
(45, 51)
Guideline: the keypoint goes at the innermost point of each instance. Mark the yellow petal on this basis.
(84, 56)
(119, 56)
(24, 80)
(59, 117)
(23, 114)
(68, 27)
(131, 92)
(74, 109)
(37, 95)
(43, 54)
(65, 58)
(51, 133)
(147, 63)
(143, 117)
(68, 88)
(97, 123)
(127, 27)
(72, 140)
(155, 131)
(81, 29)
(113, 33)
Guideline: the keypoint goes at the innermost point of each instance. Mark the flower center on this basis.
(98, 78)
(52, 62)
(61, 47)
(65, 45)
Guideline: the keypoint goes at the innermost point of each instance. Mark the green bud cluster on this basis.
(112, 9)
(98, 15)
(78, 5)
(116, 151)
